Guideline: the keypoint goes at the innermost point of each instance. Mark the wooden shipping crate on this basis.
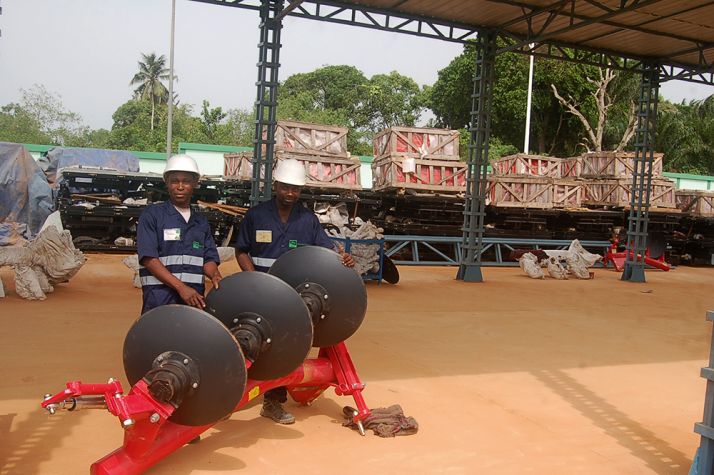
(618, 192)
(696, 202)
(412, 173)
(311, 139)
(614, 164)
(522, 164)
(417, 142)
(567, 193)
(570, 167)
(327, 172)
(520, 192)
(238, 165)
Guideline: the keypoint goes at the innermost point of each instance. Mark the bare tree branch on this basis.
(603, 100)
(571, 106)
(555, 136)
(631, 127)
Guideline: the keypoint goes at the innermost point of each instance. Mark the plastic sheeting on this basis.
(530, 265)
(12, 234)
(25, 196)
(366, 256)
(556, 269)
(60, 158)
(588, 258)
(49, 259)
(578, 266)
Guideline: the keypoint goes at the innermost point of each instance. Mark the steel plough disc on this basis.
(282, 312)
(203, 339)
(345, 289)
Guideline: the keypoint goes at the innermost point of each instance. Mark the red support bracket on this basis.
(348, 381)
(618, 259)
(149, 437)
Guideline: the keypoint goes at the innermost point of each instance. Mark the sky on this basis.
(86, 51)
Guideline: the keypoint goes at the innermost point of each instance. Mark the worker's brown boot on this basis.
(274, 410)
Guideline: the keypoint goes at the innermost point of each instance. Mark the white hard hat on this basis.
(181, 163)
(290, 172)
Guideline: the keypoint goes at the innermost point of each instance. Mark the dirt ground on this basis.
(512, 375)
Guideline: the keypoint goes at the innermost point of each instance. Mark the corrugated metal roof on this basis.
(674, 32)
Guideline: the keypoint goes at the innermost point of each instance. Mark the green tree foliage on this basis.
(343, 96)
(48, 110)
(330, 95)
(42, 118)
(17, 125)
(450, 97)
(685, 133)
(93, 138)
(336, 88)
(211, 119)
(554, 131)
(152, 71)
(132, 127)
(237, 129)
(389, 100)
(496, 147)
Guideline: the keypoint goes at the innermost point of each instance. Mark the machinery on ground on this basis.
(191, 368)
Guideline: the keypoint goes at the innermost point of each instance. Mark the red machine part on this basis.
(618, 259)
(149, 437)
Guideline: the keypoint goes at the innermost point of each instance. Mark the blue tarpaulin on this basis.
(60, 158)
(25, 195)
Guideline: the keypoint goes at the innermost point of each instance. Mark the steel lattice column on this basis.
(474, 213)
(642, 175)
(266, 101)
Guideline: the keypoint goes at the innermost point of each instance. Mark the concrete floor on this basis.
(509, 376)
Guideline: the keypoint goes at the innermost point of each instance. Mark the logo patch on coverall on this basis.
(292, 244)
(197, 245)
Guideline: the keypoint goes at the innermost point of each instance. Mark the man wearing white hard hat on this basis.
(175, 245)
(271, 229)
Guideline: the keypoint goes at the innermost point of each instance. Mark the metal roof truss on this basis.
(542, 28)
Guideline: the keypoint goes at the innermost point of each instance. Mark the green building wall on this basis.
(686, 181)
(210, 162)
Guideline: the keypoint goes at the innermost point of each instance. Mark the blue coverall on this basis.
(265, 237)
(183, 247)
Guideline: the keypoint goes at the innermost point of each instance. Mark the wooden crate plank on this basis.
(522, 164)
(430, 175)
(614, 164)
(570, 167)
(238, 165)
(311, 139)
(321, 172)
(327, 172)
(520, 192)
(567, 193)
(417, 142)
(696, 202)
(617, 192)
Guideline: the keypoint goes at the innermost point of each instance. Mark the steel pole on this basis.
(170, 118)
(526, 140)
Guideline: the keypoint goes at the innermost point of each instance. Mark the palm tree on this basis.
(685, 133)
(152, 71)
